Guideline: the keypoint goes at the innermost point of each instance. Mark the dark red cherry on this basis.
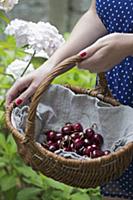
(53, 147)
(75, 135)
(72, 147)
(89, 133)
(67, 148)
(58, 136)
(66, 141)
(86, 142)
(97, 153)
(107, 152)
(49, 143)
(77, 127)
(51, 135)
(78, 143)
(95, 147)
(59, 143)
(98, 139)
(87, 151)
(68, 129)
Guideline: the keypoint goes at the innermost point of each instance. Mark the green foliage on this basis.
(77, 77)
(18, 181)
(3, 17)
(9, 51)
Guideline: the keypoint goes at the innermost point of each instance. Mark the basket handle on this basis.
(62, 67)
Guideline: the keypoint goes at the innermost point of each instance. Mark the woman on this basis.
(104, 38)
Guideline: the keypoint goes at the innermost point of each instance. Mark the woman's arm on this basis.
(129, 43)
(87, 30)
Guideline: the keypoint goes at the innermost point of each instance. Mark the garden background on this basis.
(17, 181)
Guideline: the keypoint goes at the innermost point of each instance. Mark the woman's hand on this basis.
(106, 52)
(26, 86)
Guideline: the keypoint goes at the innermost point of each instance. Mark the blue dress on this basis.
(117, 16)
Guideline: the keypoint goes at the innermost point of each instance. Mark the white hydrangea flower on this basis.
(38, 36)
(17, 67)
(7, 5)
(19, 29)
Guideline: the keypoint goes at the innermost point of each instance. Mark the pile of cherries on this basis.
(73, 138)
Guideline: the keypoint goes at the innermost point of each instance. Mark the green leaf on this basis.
(76, 76)
(2, 164)
(2, 174)
(96, 197)
(7, 182)
(1, 69)
(11, 144)
(4, 17)
(66, 35)
(38, 61)
(56, 184)
(31, 177)
(80, 196)
(11, 194)
(28, 193)
(2, 141)
(9, 75)
(27, 171)
(4, 159)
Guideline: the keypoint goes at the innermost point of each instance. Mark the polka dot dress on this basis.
(117, 16)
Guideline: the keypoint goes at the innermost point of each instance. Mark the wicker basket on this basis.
(77, 173)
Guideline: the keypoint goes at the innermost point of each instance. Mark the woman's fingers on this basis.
(94, 58)
(90, 51)
(92, 64)
(26, 94)
(17, 88)
(87, 64)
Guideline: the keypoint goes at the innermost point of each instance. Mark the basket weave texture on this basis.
(77, 173)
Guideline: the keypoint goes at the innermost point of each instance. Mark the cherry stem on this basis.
(94, 126)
